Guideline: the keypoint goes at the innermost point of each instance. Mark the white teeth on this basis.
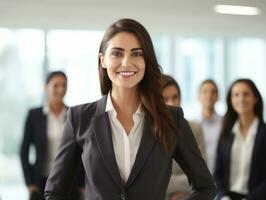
(127, 73)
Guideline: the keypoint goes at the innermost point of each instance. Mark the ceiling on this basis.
(187, 17)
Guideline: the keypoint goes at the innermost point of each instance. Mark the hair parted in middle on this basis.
(167, 80)
(52, 74)
(161, 121)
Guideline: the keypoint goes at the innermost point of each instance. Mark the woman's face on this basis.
(124, 61)
(56, 88)
(243, 99)
(171, 96)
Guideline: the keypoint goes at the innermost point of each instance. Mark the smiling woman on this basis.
(127, 139)
(124, 61)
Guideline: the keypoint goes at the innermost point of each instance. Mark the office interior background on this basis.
(192, 42)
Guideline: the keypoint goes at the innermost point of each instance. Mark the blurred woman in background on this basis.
(241, 156)
(43, 131)
(179, 187)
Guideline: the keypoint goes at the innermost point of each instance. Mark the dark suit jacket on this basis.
(87, 136)
(257, 178)
(35, 133)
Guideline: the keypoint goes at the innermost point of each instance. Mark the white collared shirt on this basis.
(211, 133)
(241, 156)
(125, 146)
(55, 126)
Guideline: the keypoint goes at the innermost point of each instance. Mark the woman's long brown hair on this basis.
(163, 126)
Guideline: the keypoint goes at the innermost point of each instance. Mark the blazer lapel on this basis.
(228, 148)
(103, 134)
(256, 148)
(145, 148)
(42, 139)
(43, 130)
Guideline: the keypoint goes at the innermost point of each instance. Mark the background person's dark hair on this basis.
(231, 115)
(51, 75)
(161, 122)
(167, 80)
(211, 82)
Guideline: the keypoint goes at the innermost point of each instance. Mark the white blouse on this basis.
(125, 146)
(241, 156)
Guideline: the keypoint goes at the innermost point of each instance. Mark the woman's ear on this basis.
(101, 57)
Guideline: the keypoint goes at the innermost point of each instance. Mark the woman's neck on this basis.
(245, 120)
(125, 101)
(208, 113)
(56, 107)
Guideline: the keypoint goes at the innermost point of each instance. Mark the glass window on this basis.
(197, 59)
(21, 86)
(76, 52)
(246, 59)
(164, 49)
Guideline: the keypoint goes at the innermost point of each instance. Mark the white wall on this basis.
(190, 17)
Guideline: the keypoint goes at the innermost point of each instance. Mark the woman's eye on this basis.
(137, 53)
(116, 53)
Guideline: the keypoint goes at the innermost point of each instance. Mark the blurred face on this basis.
(208, 95)
(171, 96)
(56, 88)
(243, 99)
(124, 61)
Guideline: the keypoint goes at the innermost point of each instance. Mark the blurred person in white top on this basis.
(43, 132)
(240, 166)
(210, 121)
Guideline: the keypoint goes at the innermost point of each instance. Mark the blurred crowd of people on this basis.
(232, 145)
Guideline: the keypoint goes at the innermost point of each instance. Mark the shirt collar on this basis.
(46, 110)
(252, 129)
(110, 107)
(213, 118)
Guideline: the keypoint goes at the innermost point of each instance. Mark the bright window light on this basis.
(236, 10)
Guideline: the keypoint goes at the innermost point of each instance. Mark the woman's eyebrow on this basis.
(121, 49)
(136, 49)
(118, 48)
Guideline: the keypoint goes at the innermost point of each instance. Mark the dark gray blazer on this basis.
(88, 137)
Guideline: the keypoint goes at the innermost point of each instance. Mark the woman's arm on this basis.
(188, 156)
(65, 166)
(24, 151)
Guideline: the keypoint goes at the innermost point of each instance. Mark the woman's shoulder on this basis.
(83, 109)
(36, 111)
(177, 112)
(88, 110)
(195, 125)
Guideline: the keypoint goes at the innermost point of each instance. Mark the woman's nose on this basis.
(126, 61)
